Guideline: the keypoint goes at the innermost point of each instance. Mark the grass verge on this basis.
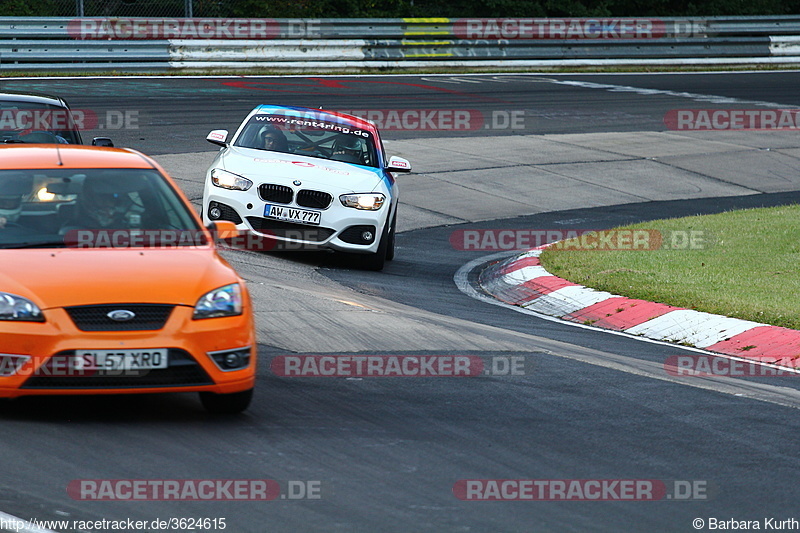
(744, 264)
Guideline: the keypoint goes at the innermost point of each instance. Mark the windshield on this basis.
(30, 122)
(92, 208)
(308, 137)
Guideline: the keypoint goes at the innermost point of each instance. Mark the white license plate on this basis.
(121, 359)
(292, 214)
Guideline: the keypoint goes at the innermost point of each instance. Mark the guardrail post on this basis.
(187, 9)
(79, 8)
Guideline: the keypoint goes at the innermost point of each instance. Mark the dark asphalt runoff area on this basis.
(390, 454)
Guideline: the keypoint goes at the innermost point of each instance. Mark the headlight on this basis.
(13, 307)
(368, 202)
(229, 180)
(225, 301)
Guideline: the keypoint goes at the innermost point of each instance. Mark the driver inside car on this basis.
(105, 209)
(274, 139)
(101, 207)
(10, 209)
(349, 149)
(13, 190)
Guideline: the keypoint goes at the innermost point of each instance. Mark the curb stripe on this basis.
(567, 300)
(692, 327)
(525, 274)
(619, 313)
(522, 263)
(515, 295)
(762, 341)
(547, 284)
(522, 281)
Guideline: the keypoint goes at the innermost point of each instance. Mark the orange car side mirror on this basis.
(223, 229)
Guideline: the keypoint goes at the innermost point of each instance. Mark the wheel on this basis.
(390, 243)
(227, 404)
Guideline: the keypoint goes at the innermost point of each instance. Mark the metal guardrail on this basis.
(743, 26)
(143, 44)
(785, 46)
(432, 51)
(24, 52)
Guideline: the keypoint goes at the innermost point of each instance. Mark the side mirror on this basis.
(223, 229)
(102, 141)
(218, 137)
(398, 164)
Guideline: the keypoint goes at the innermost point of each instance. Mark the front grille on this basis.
(279, 194)
(289, 230)
(95, 317)
(183, 371)
(228, 213)
(314, 199)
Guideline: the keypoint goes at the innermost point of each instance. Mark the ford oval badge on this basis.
(121, 315)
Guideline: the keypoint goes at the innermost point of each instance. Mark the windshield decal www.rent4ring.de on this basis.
(312, 123)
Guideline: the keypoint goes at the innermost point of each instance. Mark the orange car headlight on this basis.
(13, 307)
(224, 301)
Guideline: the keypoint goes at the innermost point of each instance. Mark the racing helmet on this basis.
(10, 207)
(13, 190)
(349, 149)
(349, 144)
(103, 205)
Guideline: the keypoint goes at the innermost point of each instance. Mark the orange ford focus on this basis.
(110, 284)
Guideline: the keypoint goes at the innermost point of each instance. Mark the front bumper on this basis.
(190, 343)
(340, 227)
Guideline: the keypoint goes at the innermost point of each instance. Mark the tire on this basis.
(390, 243)
(226, 404)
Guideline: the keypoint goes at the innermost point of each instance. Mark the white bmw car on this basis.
(306, 179)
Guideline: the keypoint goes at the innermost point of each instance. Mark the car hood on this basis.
(336, 177)
(66, 277)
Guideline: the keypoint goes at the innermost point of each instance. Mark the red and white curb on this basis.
(522, 281)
